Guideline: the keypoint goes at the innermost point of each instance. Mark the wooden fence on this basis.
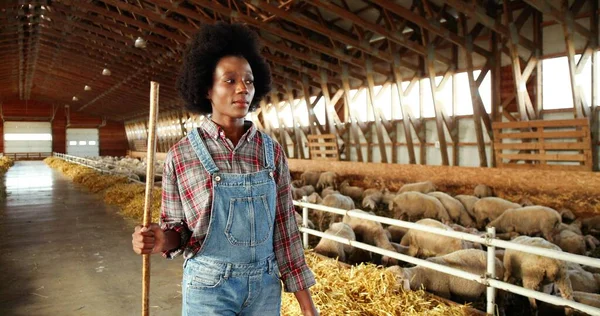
(544, 144)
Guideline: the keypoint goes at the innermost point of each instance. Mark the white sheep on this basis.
(570, 241)
(328, 190)
(354, 192)
(388, 197)
(489, 208)
(327, 179)
(372, 233)
(528, 220)
(298, 217)
(396, 233)
(333, 200)
(371, 197)
(449, 286)
(534, 270)
(415, 205)
(591, 225)
(426, 244)
(468, 201)
(582, 280)
(334, 249)
(310, 177)
(482, 190)
(423, 187)
(455, 209)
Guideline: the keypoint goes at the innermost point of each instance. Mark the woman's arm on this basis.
(306, 303)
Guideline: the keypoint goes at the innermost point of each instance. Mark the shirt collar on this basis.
(214, 130)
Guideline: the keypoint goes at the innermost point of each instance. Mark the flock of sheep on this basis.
(522, 222)
(132, 168)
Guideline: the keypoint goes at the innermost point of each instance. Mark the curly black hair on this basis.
(210, 44)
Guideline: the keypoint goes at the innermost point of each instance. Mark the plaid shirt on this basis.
(187, 197)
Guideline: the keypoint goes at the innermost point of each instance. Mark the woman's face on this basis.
(233, 88)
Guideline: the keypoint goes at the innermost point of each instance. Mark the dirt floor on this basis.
(64, 252)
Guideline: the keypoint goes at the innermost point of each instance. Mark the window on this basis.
(82, 142)
(73, 143)
(92, 143)
(556, 87)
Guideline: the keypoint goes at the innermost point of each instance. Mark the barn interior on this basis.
(383, 93)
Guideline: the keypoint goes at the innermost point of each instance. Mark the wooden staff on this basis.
(151, 151)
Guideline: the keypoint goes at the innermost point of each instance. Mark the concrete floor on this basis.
(64, 252)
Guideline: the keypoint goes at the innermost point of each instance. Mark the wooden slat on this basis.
(323, 146)
(324, 151)
(547, 167)
(545, 135)
(544, 157)
(326, 144)
(539, 123)
(325, 136)
(543, 146)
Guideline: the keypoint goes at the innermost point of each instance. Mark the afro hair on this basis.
(210, 44)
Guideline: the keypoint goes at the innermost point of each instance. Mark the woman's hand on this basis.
(148, 240)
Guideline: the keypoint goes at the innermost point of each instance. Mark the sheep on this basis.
(327, 179)
(482, 190)
(415, 205)
(299, 221)
(308, 189)
(371, 197)
(423, 187)
(396, 233)
(449, 286)
(533, 270)
(528, 220)
(582, 280)
(372, 233)
(489, 208)
(567, 215)
(570, 241)
(455, 209)
(468, 201)
(388, 197)
(427, 244)
(297, 184)
(334, 249)
(354, 192)
(310, 177)
(591, 225)
(328, 190)
(338, 201)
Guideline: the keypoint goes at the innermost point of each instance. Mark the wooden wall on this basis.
(113, 140)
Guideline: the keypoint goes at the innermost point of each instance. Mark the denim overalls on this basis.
(235, 271)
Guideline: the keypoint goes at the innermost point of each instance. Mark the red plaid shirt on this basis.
(187, 197)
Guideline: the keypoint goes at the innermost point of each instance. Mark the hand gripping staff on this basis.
(149, 186)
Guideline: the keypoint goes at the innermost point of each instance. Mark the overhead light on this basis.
(140, 43)
(87, 88)
(75, 99)
(106, 72)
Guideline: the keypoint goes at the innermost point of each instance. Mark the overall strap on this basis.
(202, 151)
(269, 154)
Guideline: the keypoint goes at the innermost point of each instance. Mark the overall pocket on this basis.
(250, 221)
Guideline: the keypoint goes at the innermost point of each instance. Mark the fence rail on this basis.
(487, 239)
(28, 156)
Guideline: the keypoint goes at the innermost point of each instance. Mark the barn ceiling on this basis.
(50, 50)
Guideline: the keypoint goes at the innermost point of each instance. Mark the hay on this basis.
(5, 163)
(135, 208)
(128, 196)
(363, 290)
(121, 194)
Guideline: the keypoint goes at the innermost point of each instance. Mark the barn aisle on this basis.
(64, 252)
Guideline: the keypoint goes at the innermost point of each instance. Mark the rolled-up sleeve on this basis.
(171, 213)
(295, 273)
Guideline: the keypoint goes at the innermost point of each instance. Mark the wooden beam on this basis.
(376, 112)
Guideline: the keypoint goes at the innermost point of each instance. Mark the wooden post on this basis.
(149, 186)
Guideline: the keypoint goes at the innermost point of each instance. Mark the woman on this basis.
(226, 201)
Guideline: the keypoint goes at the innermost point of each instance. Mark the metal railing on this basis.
(28, 156)
(90, 163)
(488, 239)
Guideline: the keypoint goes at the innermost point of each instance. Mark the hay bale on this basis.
(363, 290)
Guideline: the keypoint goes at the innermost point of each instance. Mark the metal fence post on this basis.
(491, 271)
